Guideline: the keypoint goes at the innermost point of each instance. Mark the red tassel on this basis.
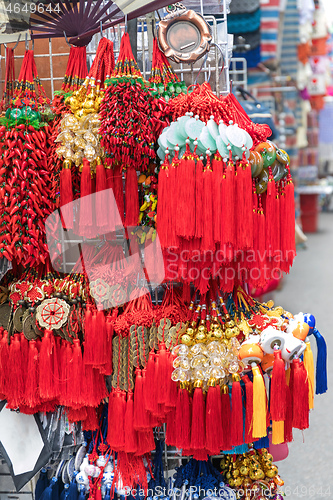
(245, 226)
(146, 442)
(185, 221)
(100, 341)
(88, 357)
(31, 389)
(288, 423)
(217, 166)
(278, 389)
(15, 382)
(91, 421)
(261, 234)
(131, 444)
(47, 388)
(236, 428)
(183, 419)
(113, 214)
(76, 378)
(270, 216)
(300, 395)
(162, 220)
(228, 233)
(118, 190)
(171, 399)
(172, 196)
(148, 390)
(101, 199)
(116, 419)
(66, 197)
(86, 212)
(198, 420)
(171, 428)
(240, 219)
(132, 197)
(162, 378)
(109, 335)
(65, 398)
(4, 360)
(141, 418)
(207, 242)
(249, 409)
(213, 421)
(199, 222)
(290, 221)
(88, 386)
(226, 418)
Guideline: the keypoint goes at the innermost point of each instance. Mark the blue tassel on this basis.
(48, 492)
(261, 443)
(321, 365)
(107, 493)
(55, 489)
(42, 484)
(82, 495)
(73, 491)
(65, 492)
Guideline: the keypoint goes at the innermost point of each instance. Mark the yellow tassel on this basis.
(278, 432)
(259, 404)
(288, 376)
(309, 366)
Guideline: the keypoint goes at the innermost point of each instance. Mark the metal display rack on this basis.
(213, 69)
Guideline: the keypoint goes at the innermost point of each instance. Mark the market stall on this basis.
(137, 212)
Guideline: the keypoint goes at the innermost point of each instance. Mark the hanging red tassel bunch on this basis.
(25, 193)
(79, 144)
(75, 75)
(224, 209)
(204, 103)
(126, 114)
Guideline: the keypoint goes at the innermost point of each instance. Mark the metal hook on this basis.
(32, 41)
(125, 23)
(101, 28)
(222, 56)
(26, 42)
(16, 44)
(66, 39)
(202, 65)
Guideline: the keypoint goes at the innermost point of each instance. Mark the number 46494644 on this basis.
(32, 8)
(308, 492)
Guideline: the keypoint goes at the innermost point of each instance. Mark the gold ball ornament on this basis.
(186, 339)
(272, 471)
(247, 483)
(238, 481)
(229, 333)
(200, 337)
(244, 470)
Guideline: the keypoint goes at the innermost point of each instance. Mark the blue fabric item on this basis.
(73, 492)
(48, 492)
(243, 448)
(252, 57)
(261, 443)
(65, 492)
(244, 23)
(158, 472)
(321, 365)
(55, 489)
(42, 484)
